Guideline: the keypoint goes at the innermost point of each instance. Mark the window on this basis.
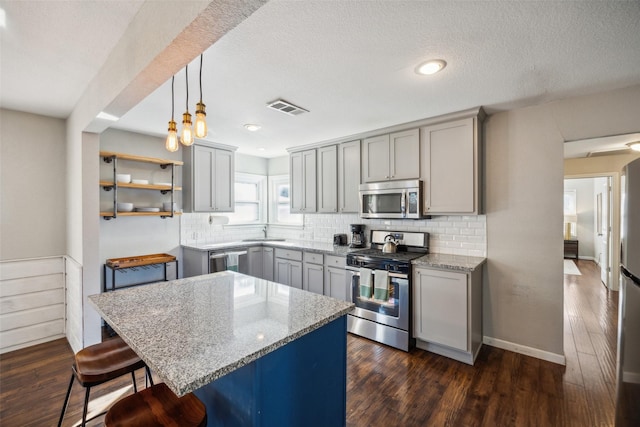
(249, 199)
(280, 212)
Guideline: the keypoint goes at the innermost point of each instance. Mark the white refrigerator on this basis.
(628, 365)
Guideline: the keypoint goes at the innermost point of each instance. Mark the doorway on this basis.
(588, 222)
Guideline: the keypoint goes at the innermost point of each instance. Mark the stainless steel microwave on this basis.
(391, 199)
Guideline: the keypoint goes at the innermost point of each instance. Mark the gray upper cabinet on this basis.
(327, 179)
(302, 181)
(392, 156)
(348, 176)
(208, 179)
(450, 167)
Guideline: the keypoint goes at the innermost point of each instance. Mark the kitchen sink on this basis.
(264, 239)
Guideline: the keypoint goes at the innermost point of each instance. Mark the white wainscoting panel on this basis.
(32, 302)
(74, 326)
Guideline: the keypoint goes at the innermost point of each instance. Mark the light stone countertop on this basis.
(303, 245)
(449, 262)
(192, 331)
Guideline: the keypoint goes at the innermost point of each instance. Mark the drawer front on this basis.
(335, 261)
(288, 254)
(313, 258)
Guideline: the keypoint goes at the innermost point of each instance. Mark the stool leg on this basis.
(66, 401)
(148, 376)
(86, 405)
(133, 378)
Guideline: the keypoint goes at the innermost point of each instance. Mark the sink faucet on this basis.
(264, 230)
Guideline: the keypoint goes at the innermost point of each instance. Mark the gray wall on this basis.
(246, 163)
(32, 186)
(523, 292)
(279, 166)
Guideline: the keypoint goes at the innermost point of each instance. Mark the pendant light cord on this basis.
(186, 78)
(172, 102)
(200, 78)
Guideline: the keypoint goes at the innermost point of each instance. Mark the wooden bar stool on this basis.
(100, 363)
(157, 406)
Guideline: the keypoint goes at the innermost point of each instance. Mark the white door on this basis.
(603, 227)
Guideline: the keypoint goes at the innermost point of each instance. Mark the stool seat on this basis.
(100, 363)
(157, 406)
(103, 362)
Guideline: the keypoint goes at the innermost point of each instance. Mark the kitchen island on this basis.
(255, 352)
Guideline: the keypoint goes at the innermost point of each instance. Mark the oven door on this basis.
(394, 311)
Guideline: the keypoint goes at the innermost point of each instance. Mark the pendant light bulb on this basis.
(201, 120)
(172, 137)
(187, 132)
(201, 115)
(171, 143)
(186, 137)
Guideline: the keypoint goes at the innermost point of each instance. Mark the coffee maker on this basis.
(357, 236)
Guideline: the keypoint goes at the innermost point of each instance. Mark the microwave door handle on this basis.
(403, 204)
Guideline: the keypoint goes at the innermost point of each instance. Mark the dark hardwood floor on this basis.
(387, 387)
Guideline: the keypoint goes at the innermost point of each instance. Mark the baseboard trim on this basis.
(588, 258)
(527, 351)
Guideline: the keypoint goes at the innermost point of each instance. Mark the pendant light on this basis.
(187, 132)
(172, 137)
(201, 121)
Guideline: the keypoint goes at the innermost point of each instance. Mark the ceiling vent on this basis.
(286, 107)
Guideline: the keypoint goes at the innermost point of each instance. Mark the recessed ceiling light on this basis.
(261, 149)
(251, 127)
(3, 18)
(106, 116)
(635, 146)
(430, 67)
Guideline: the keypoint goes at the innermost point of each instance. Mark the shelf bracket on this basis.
(108, 159)
(165, 165)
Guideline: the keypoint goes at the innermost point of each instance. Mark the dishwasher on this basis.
(229, 260)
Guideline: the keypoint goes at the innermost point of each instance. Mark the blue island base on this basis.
(300, 384)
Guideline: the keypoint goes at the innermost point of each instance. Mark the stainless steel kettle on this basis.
(390, 244)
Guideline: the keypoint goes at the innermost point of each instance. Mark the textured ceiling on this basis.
(51, 50)
(350, 63)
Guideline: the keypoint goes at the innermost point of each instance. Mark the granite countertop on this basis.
(192, 331)
(303, 245)
(450, 262)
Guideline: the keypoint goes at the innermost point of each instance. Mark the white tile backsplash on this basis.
(454, 234)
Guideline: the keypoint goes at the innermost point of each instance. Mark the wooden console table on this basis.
(571, 249)
(114, 264)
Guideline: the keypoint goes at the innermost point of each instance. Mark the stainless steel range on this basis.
(379, 285)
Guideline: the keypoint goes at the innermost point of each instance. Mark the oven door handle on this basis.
(396, 275)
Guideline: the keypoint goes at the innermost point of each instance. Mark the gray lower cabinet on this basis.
(335, 285)
(288, 267)
(313, 273)
(447, 312)
(267, 263)
(256, 261)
